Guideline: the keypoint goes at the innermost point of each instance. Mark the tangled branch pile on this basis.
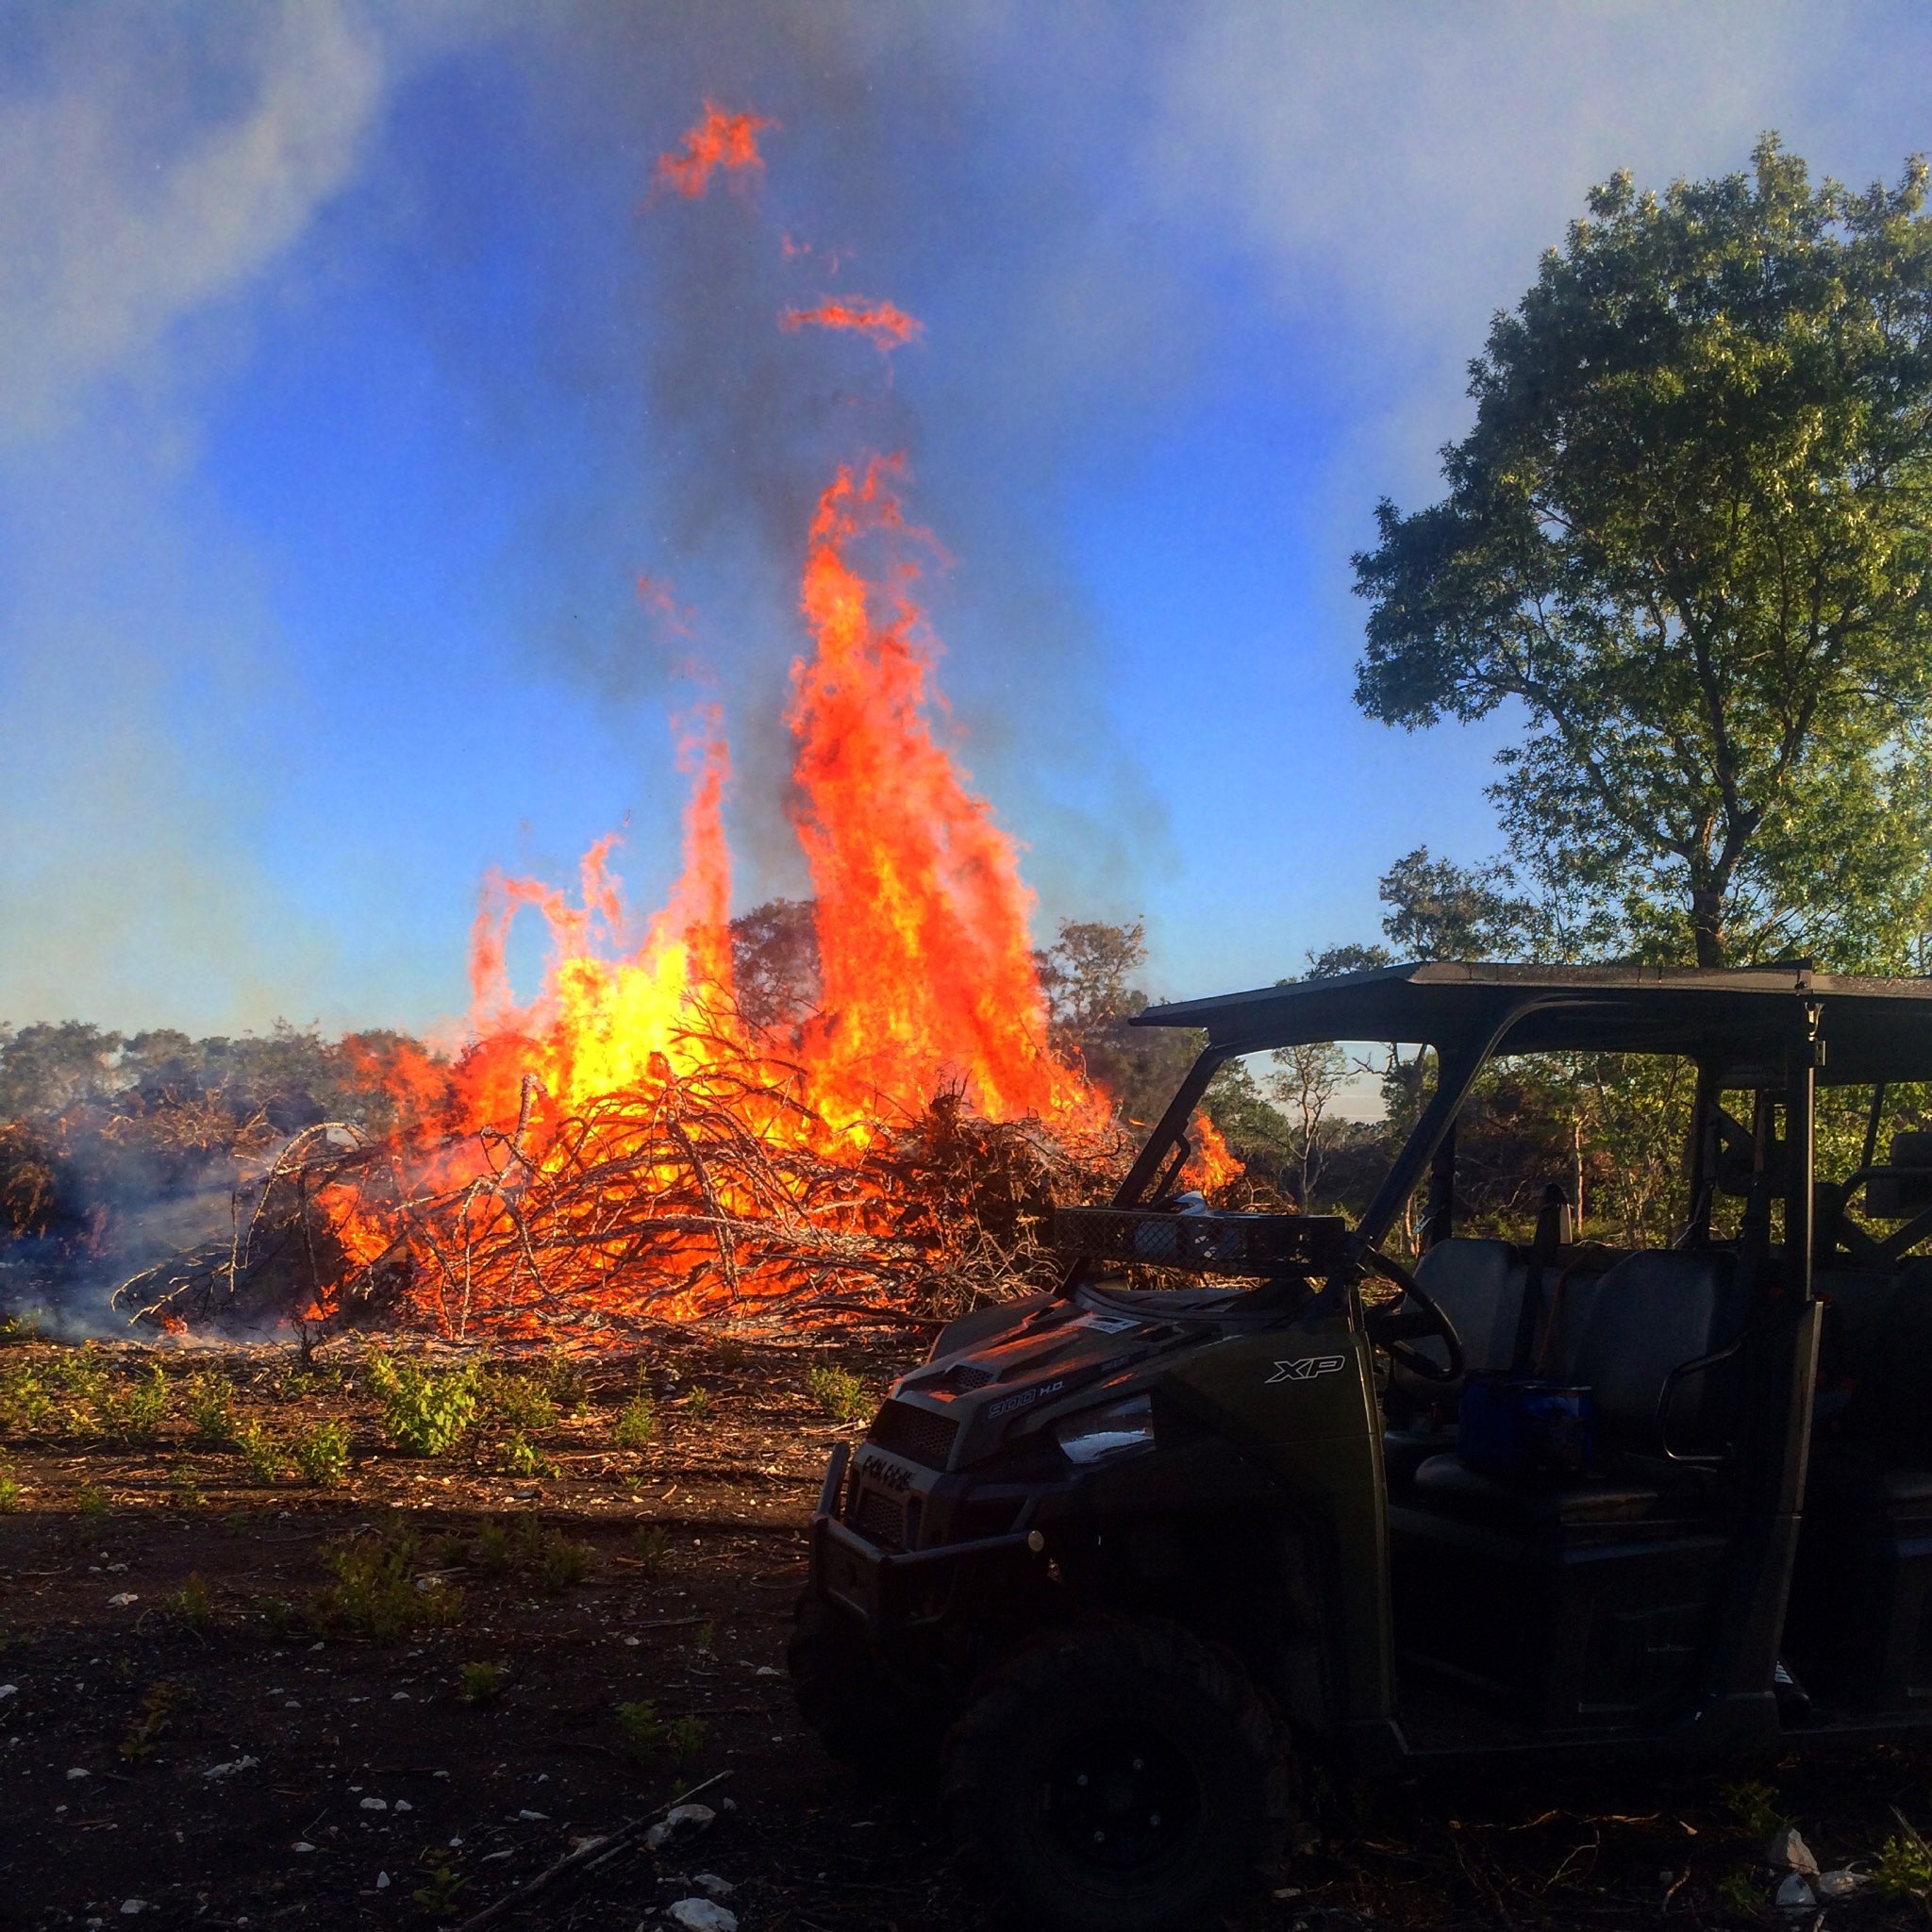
(707, 1194)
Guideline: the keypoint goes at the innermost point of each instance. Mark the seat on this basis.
(1645, 1316)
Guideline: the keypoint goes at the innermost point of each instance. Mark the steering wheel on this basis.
(1398, 1328)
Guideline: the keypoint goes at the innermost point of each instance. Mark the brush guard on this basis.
(1203, 1243)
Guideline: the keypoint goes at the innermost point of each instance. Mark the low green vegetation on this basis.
(424, 1411)
(194, 1603)
(481, 1683)
(697, 1402)
(209, 1403)
(646, 1735)
(637, 1423)
(652, 1545)
(1755, 1805)
(154, 1718)
(839, 1392)
(264, 1454)
(321, 1452)
(10, 1489)
(377, 1593)
(1902, 1869)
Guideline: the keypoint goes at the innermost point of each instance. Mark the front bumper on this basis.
(896, 1591)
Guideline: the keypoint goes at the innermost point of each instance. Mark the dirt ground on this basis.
(231, 1697)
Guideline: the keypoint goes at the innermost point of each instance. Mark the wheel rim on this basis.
(1119, 1802)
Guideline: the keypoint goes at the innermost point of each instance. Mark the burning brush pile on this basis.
(632, 1145)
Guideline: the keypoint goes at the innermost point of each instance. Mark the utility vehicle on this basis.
(1130, 1560)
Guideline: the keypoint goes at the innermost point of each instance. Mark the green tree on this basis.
(1688, 537)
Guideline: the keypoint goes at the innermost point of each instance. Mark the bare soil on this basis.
(188, 1735)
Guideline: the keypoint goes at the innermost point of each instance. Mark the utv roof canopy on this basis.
(1739, 1025)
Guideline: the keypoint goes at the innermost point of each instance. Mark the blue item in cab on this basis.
(1526, 1425)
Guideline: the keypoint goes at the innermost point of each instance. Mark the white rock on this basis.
(130, 1907)
(7, 1690)
(700, 1915)
(120, 1601)
(382, 1881)
(234, 1766)
(1840, 1884)
(376, 1803)
(1787, 1852)
(1794, 1893)
(711, 1885)
(680, 1822)
(766, 1671)
(529, 1817)
(302, 1844)
(75, 1771)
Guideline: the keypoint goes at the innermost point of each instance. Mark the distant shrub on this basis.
(10, 1489)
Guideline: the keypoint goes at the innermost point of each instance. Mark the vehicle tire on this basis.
(867, 1715)
(1118, 1776)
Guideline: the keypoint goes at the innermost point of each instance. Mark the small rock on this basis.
(376, 1803)
(1787, 1852)
(215, 1772)
(680, 1822)
(404, 1804)
(1840, 1884)
(1794, 1893)
(700, 1915)
(130, 1907)
(529, 1817)
(7, 1690)
(75, 1771)
(766, 1671)
(713, 1885)
(302, 1844)
(382, 1881)
(120, 1601)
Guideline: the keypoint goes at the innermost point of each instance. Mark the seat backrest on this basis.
(1478, 1285)
(1648, 1314)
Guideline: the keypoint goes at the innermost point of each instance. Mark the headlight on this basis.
(1099, 1435)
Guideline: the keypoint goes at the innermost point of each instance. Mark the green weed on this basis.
(209, 1403)
(16, 1327)
(153, 1719)
(136, 1414)
(516, 1454)
(1903, 1868)
(321, 1453)
(27, 1407)
(264, 1454)
(439, 1893)
(698, 1400)
(643, 1729)
(91, 1501)
(183, 1490)
(1754, 1806)
(490, 1550)
(705, 1637)
(557, 1561)
(194, 1603)
(480, 1684)
(10, 1489)
(839, 1392)
(520, 1403)
(424, 1411)
(377, 1592)
(652, 1545)
(637, 1423)
(565, 1384)
(730, 1354)
(1740, 1895)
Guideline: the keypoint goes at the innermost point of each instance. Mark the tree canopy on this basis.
(1688, 537)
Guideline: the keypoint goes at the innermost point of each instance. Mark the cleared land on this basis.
(389, 1697)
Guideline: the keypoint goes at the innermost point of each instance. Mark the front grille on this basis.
(916, 1434)
(881, 1518)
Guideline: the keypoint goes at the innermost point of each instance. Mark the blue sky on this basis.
(352, 377)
